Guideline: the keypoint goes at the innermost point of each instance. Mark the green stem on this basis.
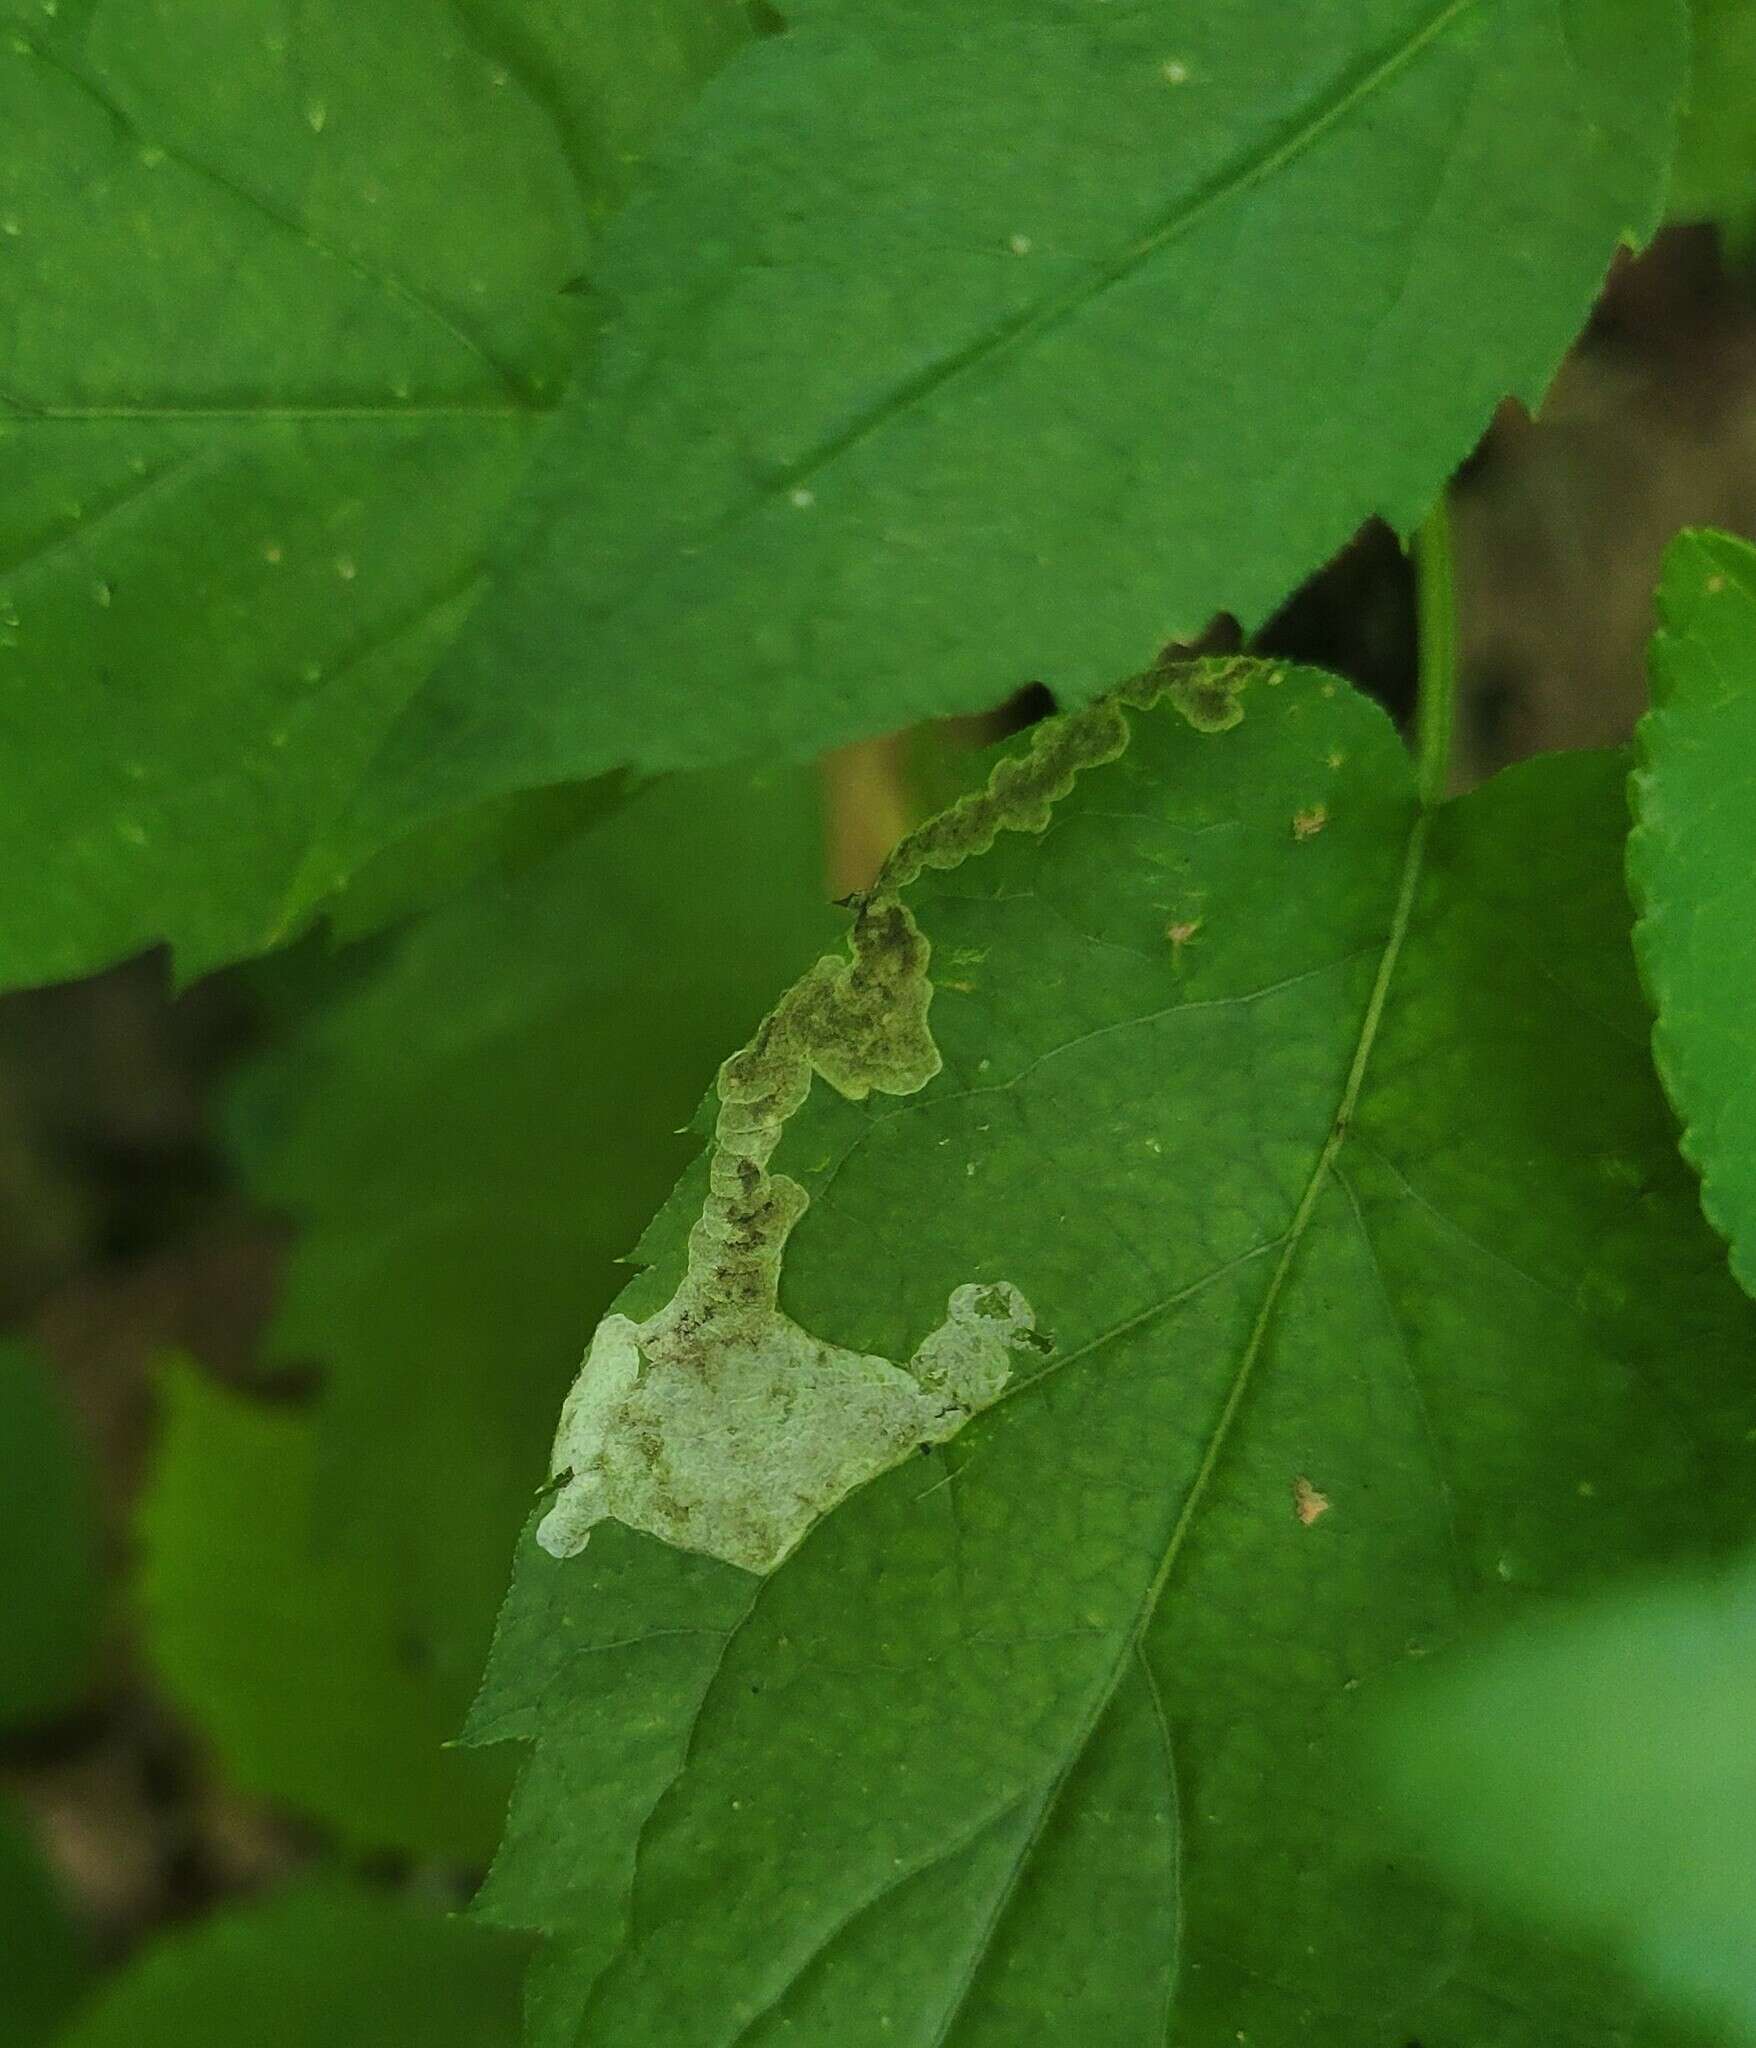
(1436, 688)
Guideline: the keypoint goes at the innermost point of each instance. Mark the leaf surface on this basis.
(1321, 1139)
(314, 1968)
(284, 301)
(952, 345)
(1692, 864)
(1715, 176)
(468, 1136)
(1597, 1773)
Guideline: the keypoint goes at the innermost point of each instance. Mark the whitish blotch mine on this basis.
(719, 1424)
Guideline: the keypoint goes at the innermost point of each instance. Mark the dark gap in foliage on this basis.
(1357, 618)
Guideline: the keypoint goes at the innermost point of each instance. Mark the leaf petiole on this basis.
(1436, 682)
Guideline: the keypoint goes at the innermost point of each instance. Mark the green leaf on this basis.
(1320, 1138)
(284, 292)
(1596, 1772)
(468, 1137)
(1692, 865)
(315, 1968)
(951, 345)
(50, 1590)
(1715, 175)
(46, 1962)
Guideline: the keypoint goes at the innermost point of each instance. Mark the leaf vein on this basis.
(856, 1913)
(390, 282)
(113, 507)
(1259, 163)
(1174, 1793)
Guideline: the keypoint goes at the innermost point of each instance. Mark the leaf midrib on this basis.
(1134, 1645)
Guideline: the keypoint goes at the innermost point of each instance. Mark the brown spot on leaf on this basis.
(1308, 1504)
(1307, 824)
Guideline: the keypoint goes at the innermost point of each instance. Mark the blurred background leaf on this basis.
(290, 1654)
(46, 1959)
(324, 1966)
(51, 1592)
(1596, 1773)
(50, 1605)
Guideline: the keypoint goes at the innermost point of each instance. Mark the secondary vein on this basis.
(1188, 212)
